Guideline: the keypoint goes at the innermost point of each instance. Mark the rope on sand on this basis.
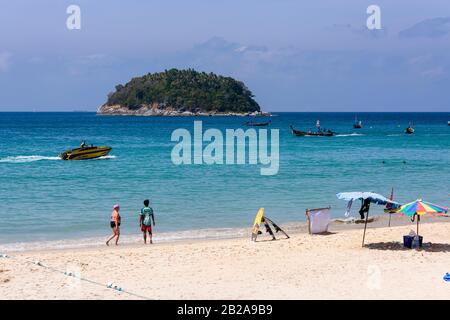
(109, 285)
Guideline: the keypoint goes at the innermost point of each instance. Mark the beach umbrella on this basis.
(371, 196)
(358, 195)
(418, 208)
(390, 207)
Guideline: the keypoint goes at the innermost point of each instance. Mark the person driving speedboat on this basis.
(83, 144)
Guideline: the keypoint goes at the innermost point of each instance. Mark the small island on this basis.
(182, 93)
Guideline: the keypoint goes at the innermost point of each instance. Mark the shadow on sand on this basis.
(327, 233)
(398, 246)
(270, 240)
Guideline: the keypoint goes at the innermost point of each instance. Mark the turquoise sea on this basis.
(44, 199)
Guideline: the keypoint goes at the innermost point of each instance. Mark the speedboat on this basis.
(84, 153)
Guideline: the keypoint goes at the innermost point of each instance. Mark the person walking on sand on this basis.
(115, 224)
(146, 217)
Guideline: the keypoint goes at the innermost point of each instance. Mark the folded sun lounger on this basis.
(318, 220)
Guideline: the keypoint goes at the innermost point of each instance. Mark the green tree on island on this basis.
(185, 90)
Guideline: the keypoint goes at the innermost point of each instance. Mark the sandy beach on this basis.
(332, 266)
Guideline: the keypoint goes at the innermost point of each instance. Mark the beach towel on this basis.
(319, 220)
(349, 208)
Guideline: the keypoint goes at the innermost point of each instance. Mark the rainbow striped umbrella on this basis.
(418, 208)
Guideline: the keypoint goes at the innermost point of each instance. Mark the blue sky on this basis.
(293, 55)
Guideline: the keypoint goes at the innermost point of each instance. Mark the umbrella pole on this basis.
(365, 227)
(390, 214)
(418, 219)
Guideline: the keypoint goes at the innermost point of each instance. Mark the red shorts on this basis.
(145, 228)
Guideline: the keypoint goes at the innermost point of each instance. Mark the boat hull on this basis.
(250, 124)
(299, 133)
(85, 153)
(357, 124)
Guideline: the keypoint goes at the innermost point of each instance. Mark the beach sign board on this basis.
(260, 219)
(257, 223)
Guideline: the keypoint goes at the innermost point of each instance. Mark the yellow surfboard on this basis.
(257, 223)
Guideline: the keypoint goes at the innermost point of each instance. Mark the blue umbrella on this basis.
(371, 196)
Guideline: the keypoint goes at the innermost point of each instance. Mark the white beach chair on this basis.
(318, 220)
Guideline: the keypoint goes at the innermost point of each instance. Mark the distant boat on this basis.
(319, 133)
(357, 124)
(448, 122)
(410, 129)
(256, 124)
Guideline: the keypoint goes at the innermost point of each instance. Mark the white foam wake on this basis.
(25, 159)
(104, 157)
(350, 135)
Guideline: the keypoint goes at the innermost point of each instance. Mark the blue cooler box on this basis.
(408, 240)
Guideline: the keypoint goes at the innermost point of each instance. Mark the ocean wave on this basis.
(350, 135)
(127, 239)
(136, 238)
(25, 159)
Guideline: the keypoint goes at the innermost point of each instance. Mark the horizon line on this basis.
(88, 111)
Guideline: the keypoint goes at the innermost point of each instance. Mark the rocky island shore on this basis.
(156, 109)
(181, 93)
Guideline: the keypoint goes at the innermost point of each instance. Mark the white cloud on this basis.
(430, 28)
(36, 60)
(87, 64)
(241, 49)
(93, 59)
(434, 72)
(5, 61)
(420, 59)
